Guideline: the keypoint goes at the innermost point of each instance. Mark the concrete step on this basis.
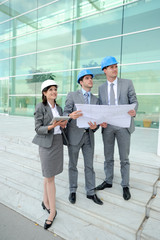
(24, 147)
(64, 222)
(151, 230)
(153, 208)
(22, 188)
(114, 195)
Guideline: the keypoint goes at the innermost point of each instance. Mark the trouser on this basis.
(88, 153)
(123, 140)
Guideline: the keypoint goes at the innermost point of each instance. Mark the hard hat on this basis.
(107, 61)
(84, 73)
(48, 83)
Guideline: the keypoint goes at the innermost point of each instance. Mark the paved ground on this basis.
(14, 226)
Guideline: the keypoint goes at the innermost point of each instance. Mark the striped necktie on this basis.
(86, 97)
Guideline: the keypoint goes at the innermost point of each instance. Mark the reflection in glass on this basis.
(55, 13)
(139, 17)
(22, 106)
(146, 77)
(54, 60)
(22, 65)
(148, 111)
(141, 47)
(55, 37)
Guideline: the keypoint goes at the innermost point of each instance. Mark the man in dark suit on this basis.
(80, 138)
(116, 91)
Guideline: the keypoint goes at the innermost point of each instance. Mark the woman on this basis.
(49, 139)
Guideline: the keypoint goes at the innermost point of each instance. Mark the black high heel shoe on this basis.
(44, 207)
(46, 225)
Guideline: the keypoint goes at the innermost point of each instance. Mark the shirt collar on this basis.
(115, 82)
(51, 106)
(83, 91)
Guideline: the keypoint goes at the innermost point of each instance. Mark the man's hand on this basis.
(75, 114)
(132, 113)
(103, 125)
(92, 125)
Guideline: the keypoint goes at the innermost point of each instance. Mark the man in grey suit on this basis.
(80, 138)
(116, 91)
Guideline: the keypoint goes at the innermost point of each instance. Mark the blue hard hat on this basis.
(107, 61)
(84, 73)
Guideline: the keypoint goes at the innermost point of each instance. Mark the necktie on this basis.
(112, 95)
(86, 97)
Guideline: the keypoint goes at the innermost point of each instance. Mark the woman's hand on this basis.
(92, 125)
(63, 123)
(103, 125)
(57, 123)
(75, 114)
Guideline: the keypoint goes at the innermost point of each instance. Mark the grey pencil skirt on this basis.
(52, 158)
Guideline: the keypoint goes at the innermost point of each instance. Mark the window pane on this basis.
(5, 31)
(91, 54)
(55, 37)
(4, 68)
(146, 77)
(141, 47)
(22, 65)
(24, 24)
(55, 13)
(4, 49)
(141, 15)
(54, 60)
(4, 95)
(148, 111)
(17, 8)
(22, 106)
(4, 12)
(22, 45)
(99, 26)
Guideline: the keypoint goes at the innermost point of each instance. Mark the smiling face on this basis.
(87, 82)
(51, 94)
(111, 72)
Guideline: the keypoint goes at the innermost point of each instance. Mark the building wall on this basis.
(44, 38)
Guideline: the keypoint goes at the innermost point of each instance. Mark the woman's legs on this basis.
(50, 196)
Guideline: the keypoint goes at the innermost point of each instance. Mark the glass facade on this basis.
(59, 38)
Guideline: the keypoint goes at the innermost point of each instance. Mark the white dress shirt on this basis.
(114, 89)
(89, 95)
(55, 113)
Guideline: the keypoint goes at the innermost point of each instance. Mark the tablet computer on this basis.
(60, 118)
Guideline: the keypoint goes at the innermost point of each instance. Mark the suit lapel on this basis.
(106, 92)
(81, 96)
(48, 109)
(119, 85)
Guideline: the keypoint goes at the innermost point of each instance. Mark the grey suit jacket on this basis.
(125, 95)
(43, 116)
(74, 134)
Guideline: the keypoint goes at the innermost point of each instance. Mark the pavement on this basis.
(14, 226)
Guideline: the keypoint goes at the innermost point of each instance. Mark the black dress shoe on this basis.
(72, 198)
(48, 225)
(95, 199)
(103, 186)
(126, 193)
(44, 207)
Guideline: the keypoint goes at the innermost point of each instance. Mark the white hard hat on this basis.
(48, 83)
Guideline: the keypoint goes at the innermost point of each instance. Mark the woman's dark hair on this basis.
(44, 99)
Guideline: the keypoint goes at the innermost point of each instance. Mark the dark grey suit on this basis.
(125, 95)
(78, 139)
(44, 138)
